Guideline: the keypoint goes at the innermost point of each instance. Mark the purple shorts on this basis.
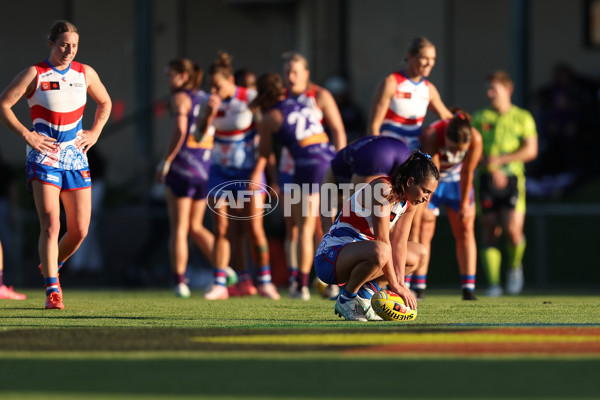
(312, 170)
(181, 186)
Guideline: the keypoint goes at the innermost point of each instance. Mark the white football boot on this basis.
(332, 292)
(304, 293)
(367, 309)
(350, 310)
(182, 290)
(217, 292)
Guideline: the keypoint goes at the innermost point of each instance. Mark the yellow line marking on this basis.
(395, 338)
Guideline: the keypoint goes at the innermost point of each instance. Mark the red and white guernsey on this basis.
(234, 136)
(407, 110)
(450, 163)
(56, 107)
(355, 223)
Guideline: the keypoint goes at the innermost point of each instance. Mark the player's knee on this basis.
(421, 254)
(51, 227)
(78, 232)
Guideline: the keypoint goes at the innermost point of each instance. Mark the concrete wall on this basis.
(366, 40)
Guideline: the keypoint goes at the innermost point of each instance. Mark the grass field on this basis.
(149, 344)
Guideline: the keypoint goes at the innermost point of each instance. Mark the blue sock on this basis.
(419, 282)
(60, 264)
(264, 275)
(51, 285)
(243, 276)
(347, 296)
(367, 290)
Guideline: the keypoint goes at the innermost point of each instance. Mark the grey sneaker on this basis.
(494, 291)
(367, 309)
(294, 290)
(514, 280)
(350, 310)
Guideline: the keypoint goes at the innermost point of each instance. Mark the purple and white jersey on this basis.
(193, 159)
(303, 134)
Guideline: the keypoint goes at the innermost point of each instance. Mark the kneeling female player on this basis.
(363, 251)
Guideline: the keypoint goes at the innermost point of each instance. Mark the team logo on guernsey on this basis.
(50, 86)
(403, 95)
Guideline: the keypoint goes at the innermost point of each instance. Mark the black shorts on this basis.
(492, 198)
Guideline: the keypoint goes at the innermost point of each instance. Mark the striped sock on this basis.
(264, 275)
(419, 282)
(51, 285)
(408, 280)
(367, 290)
(243, 276)
(220, 277)
(293, 274)
(467, 282)
(347, 296)
(60, 265)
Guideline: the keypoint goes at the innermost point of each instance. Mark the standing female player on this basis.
(456, 149)
(57, 165)
(184, 169)
(227, 111)
(319, 100)
(401, 101)
(294, 125)
(362, 250)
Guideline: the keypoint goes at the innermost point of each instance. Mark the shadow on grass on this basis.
(309, 378)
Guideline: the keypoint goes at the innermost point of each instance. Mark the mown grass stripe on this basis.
(395, 338)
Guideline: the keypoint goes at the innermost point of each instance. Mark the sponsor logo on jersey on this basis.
(403, 95)
(50, 86)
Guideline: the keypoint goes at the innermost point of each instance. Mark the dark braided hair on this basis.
(418, 166)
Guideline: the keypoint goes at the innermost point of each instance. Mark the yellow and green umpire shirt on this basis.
(504, 134)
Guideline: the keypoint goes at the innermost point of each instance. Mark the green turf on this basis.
(137, 344)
